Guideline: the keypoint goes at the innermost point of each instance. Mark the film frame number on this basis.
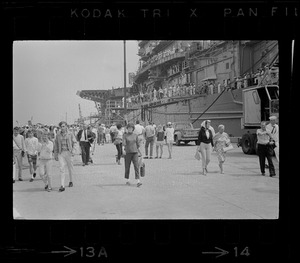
(91, 252)
(244, 252)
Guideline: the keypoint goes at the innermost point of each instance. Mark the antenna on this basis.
(80, 114)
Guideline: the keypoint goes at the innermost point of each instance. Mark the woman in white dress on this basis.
(170, 138)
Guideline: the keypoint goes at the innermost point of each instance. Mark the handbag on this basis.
(271, 147)
(141, 166)
(228, 148)
(197, 156)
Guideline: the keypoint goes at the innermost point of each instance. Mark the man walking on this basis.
(113, 130)
(64, 149)
(101, 134)
(149, 135)
(83, 137)
(264, 144)
(19, 149)
(91, 136)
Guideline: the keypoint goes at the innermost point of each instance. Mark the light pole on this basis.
(125, 100)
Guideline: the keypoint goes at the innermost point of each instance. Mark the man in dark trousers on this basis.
(82, 136)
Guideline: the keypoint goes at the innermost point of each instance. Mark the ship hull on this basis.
(227, 110)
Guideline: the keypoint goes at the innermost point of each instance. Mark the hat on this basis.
(208, 120)
(273, 118)
(169, 123)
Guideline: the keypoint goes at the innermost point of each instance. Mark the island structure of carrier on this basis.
(234, 83)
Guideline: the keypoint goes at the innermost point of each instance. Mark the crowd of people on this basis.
(268, 74)
(42, 144)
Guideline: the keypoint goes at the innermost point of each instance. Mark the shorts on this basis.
(159, 143)
(170, 141)
(32, 158)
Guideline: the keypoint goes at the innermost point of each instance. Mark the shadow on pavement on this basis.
(103, 185)
(32, 190)
(191, 173)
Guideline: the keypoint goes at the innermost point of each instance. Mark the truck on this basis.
(259, 103)
(185, 132)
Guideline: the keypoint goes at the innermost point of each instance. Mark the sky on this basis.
(47, 75)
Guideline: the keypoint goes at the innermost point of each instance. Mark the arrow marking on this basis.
(69, 252)
(219, 253)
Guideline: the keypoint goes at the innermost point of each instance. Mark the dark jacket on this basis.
(90, 136)
(202, 136)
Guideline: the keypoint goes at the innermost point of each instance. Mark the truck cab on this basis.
(259, 103)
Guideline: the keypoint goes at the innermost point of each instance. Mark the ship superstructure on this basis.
(181, 80)
(192, 81)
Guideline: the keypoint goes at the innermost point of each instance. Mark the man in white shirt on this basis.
(273, 128)
(113, 129)
(82, 137)
(149, 134)
(139, 130)
(32, 145)
(19, 149)
(263, 149)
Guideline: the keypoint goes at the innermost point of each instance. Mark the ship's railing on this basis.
(268, 76)
(262, 77)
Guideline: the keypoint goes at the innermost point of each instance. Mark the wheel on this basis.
(248, 145)
(186, 142)
(177, 142)
(197, 143)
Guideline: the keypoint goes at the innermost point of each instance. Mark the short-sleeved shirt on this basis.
(131, 142)
(262, 137)
(149, 131)
(120, 134)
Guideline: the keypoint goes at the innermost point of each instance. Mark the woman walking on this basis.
(45, 160)
(132, 151)
(221, 140)
(118, 143)
(160, 134)
(205, 140)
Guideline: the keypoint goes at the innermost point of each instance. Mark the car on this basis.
(185, 132)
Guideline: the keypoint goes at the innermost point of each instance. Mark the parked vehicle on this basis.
(185, 132)
(259, 103)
